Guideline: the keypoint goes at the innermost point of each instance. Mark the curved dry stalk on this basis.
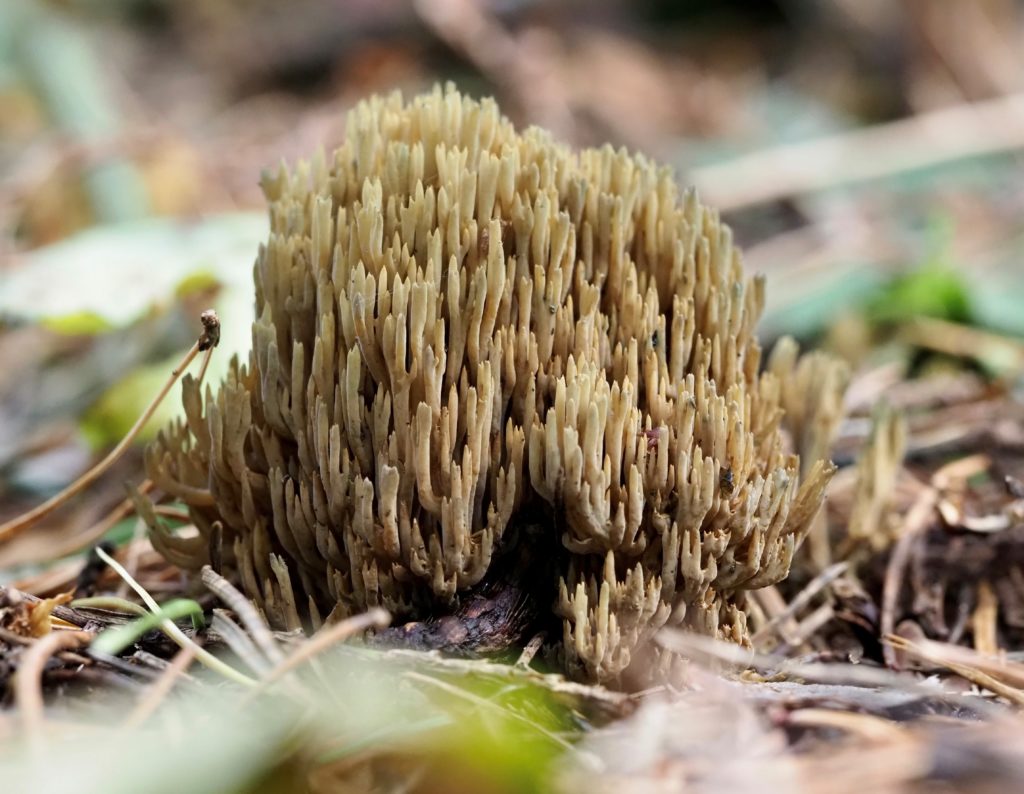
(246, 612)
(932, 653)
(204, 364)
(100, 528)
(591, 760)
(28, 692)
(207, 340)
(867, 726)
(320, 642)
(158, 692)
(170, 628)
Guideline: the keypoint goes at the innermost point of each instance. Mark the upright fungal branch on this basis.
(461, 328)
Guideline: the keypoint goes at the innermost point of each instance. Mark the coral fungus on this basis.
(462, 328)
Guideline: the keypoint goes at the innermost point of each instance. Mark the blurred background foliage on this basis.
(868, 153)
(868, 159)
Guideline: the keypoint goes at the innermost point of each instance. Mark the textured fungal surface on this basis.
(459, 326)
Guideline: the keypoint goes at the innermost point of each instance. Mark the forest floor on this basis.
(870, 164)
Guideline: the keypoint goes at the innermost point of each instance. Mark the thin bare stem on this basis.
(246, 612)
(966, 671)
(98, 530)
(867, 726)
(985, 620)
(162, 688)
(170, 628)
(206, 342)
(802, 599)
(203, 365)
(318, 643)
(808, 627)
(885, 150)
(916, 521)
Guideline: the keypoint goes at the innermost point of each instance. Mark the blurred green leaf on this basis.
(932, 290)
(113, 641)
(86, 323)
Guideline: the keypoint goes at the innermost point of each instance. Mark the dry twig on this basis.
(985, 619)
(246, 612)
(171, 629)
(206, 342)
(161, 688)
(28, 680)
(935, 652)
(916, 521)
(324, 639)
(946, 135)
(802, 599)
(867, 726)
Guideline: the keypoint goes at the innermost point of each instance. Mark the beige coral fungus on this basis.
(462, 329)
